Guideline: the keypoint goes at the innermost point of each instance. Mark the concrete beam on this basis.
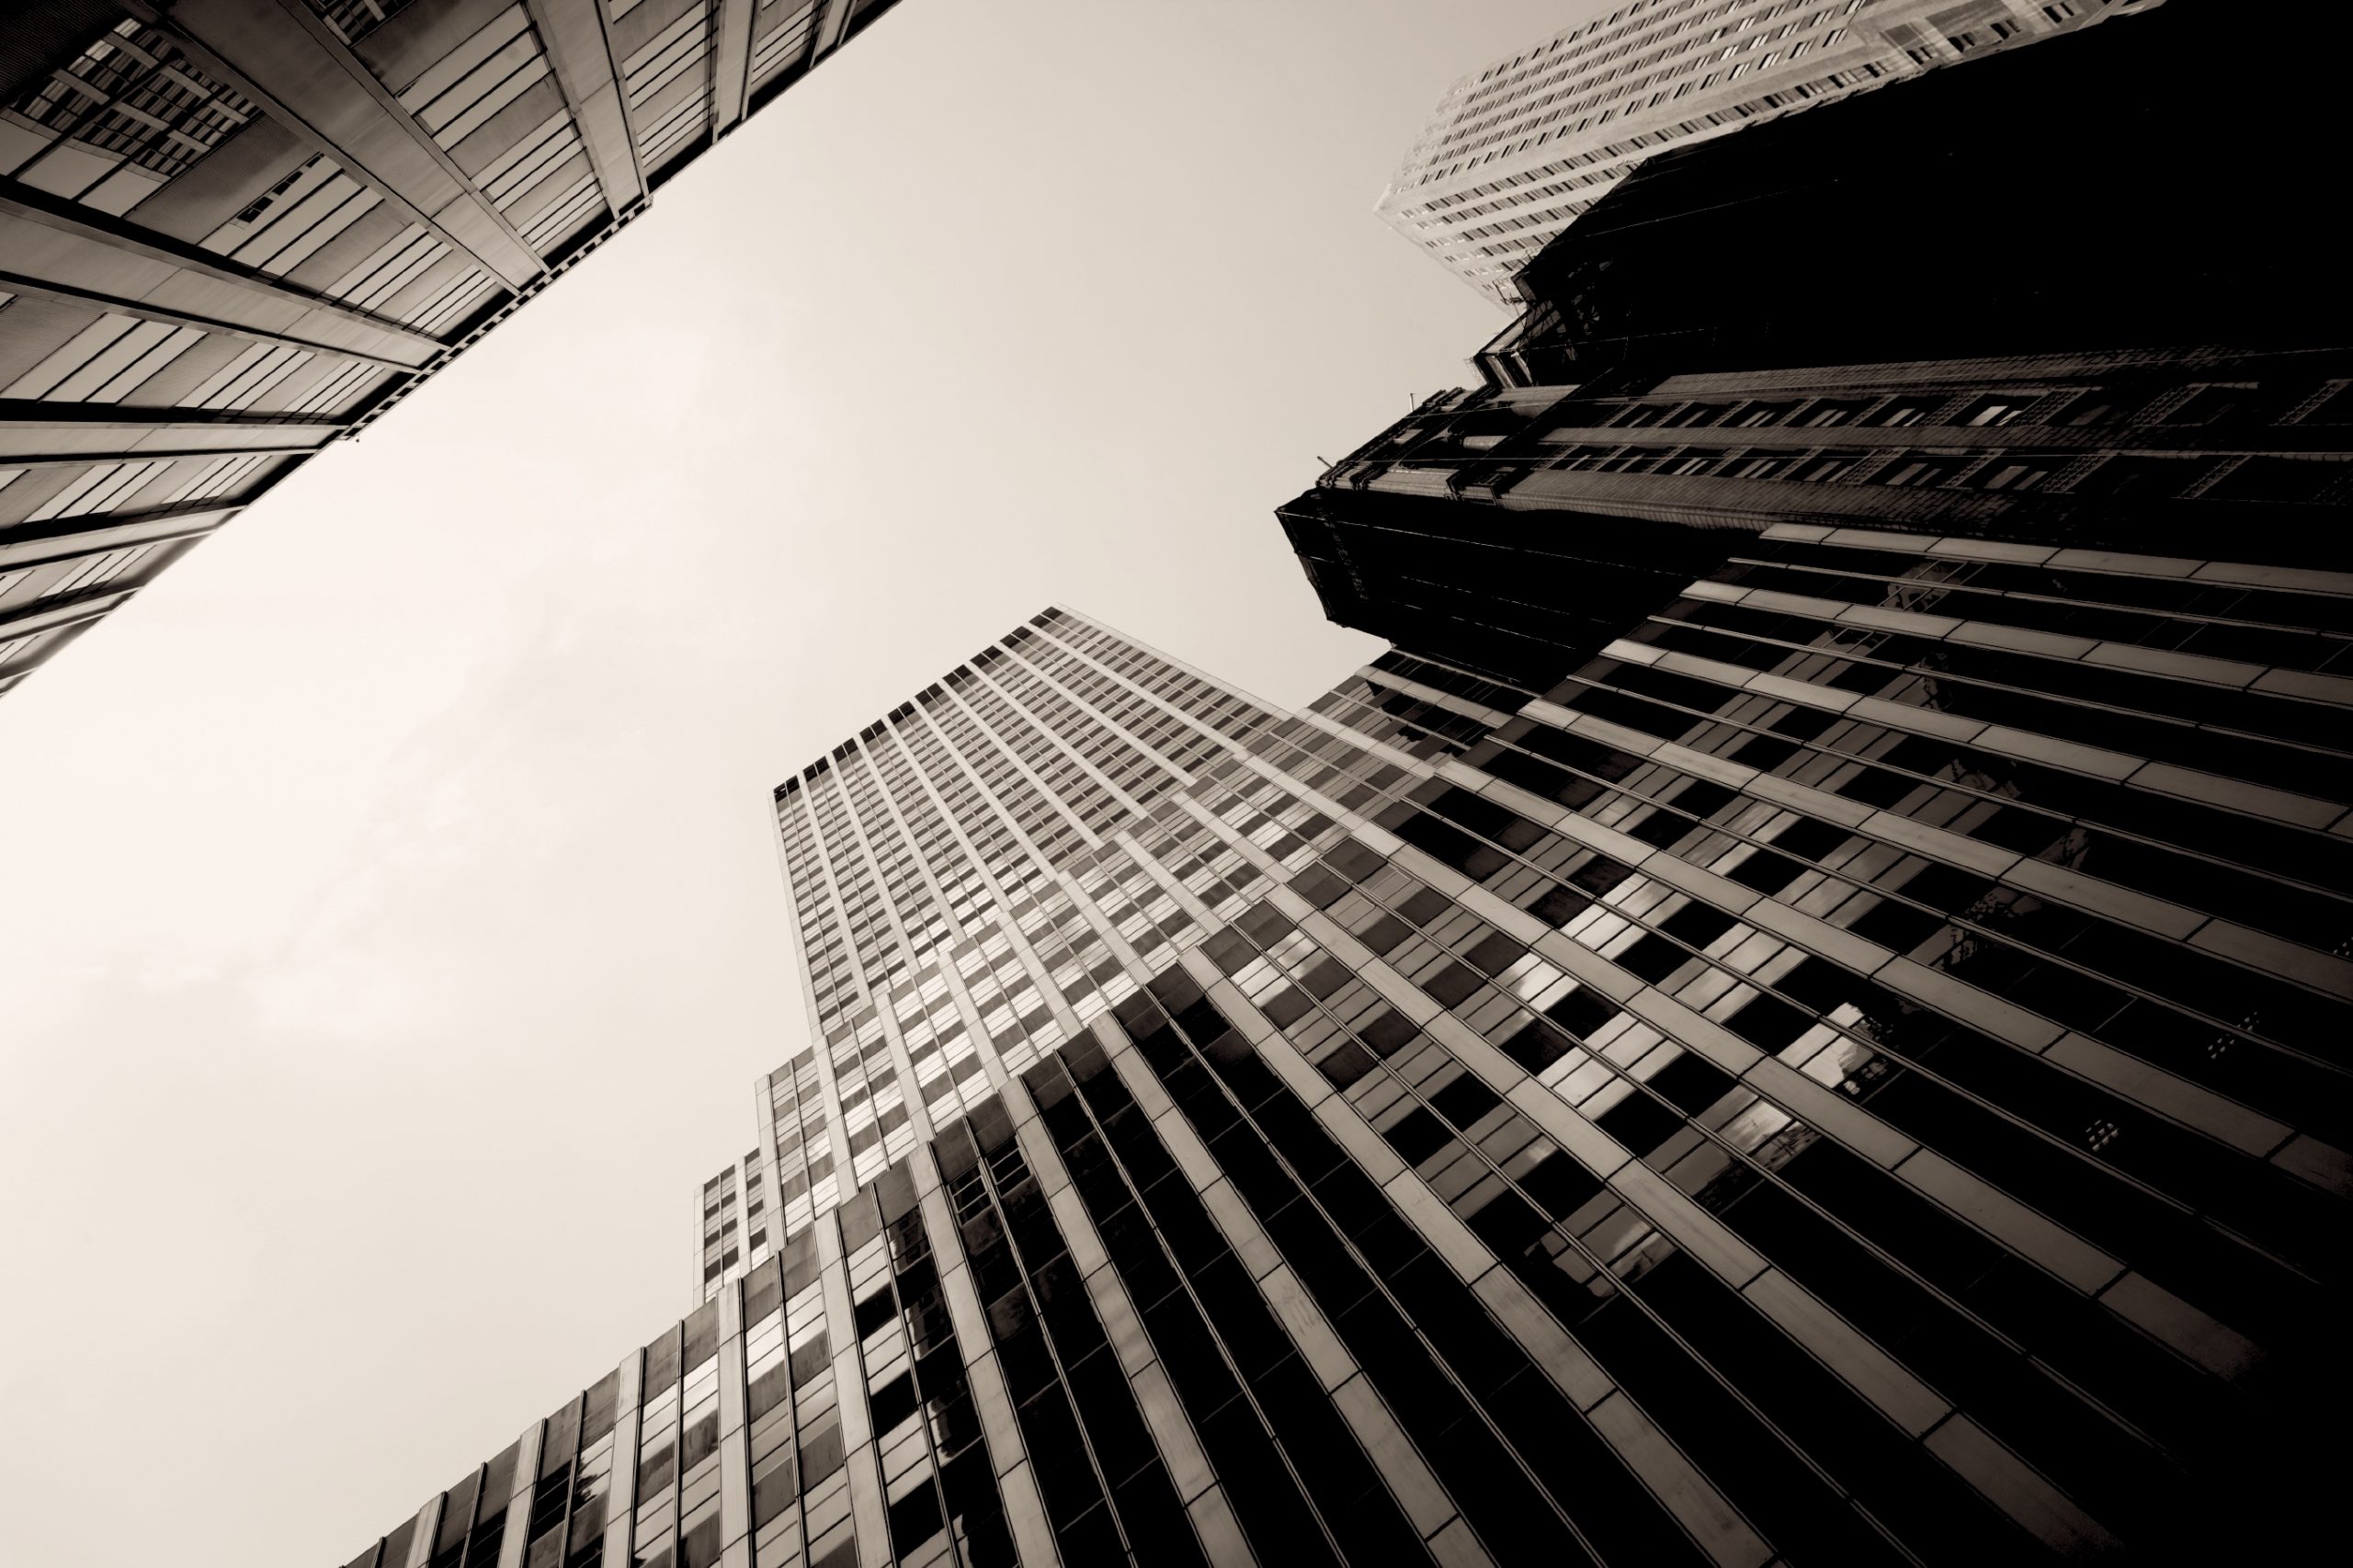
(580, 52)
(283, 55)
(78, 252)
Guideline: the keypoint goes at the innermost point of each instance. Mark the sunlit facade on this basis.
(239, 230)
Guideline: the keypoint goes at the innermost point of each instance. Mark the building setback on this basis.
(233, 230)
(1743, 1105)
(1514, 151)
(733, 1229)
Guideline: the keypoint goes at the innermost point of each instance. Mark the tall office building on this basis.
(1751, 1102)
(1861, 316)
(1799, 1017)
(235, 230)
(1515, 151)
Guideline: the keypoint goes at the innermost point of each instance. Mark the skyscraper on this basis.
(1749, 1102)
(1860, 317)
(235, 231)
(1515, 151)
(1798, 1015)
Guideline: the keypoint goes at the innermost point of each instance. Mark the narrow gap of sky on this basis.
(392, 927)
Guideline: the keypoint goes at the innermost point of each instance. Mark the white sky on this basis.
(390, 922)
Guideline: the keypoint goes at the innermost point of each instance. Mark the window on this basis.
(1634, 459)
(2334, 408)
(1917, 472)
(1825, 466)
(260, 204)
(1694, 460)
(2278, 479)
(2214, 405)
(2099, 406)
(1998, 410)
(137, 112)
(355, 19)
(1980, 36)
(2018, 471)
(2144, 478)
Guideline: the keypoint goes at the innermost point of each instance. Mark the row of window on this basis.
(103, 357)
(2217, 619)
(2228, 405)
(1679, 59)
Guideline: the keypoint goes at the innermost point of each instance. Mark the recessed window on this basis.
(1696, 460)
(1917, 473)
(2214, 405)
(2017, 472)
(2140, 477)
(2278, 479)
(2335, 409)
(1824, 467)
(1999, 410)
(1636, 460)
(2096, 406)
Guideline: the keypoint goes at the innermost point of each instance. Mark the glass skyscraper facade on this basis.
(1794, 1090)
(1797, 1015)
(236, 231)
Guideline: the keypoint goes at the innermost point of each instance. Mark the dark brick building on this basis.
(2033, 299)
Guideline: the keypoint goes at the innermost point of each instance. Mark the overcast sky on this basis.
(391, 926)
